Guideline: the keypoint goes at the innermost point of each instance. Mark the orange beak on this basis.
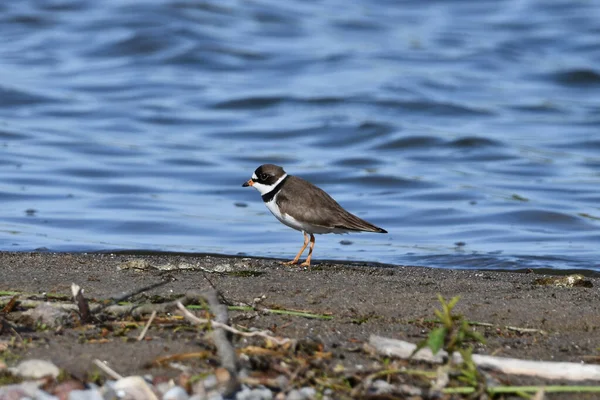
(250, 182)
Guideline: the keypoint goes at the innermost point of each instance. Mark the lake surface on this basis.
(470, 130)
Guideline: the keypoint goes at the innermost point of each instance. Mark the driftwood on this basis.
(221, 337)
(511, 366)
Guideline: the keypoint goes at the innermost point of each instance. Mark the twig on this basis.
(107, 370)
(145, 330)
(81, 302)
(17, 334)
(543, 369)
(181, 356)
(212, 285)
(524, 389)
(489, 325)
(225, 349)
(26, 303)
(526, 330)
(508, 327)
(221, 338)
(293, 313)
(10, 305)
(264, 334)
(296, 313)
(125, 296)
(367, 381)
(144, 309)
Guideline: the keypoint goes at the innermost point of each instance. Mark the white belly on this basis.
(298, 225)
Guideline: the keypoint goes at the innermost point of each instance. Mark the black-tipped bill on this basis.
(249, 182)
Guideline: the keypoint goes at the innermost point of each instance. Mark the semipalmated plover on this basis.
(301, 205)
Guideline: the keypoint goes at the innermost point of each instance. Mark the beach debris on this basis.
(81, 302)
(144, 265)
(176, 393)
(145, 330)
(134, 388)
(243, 362)
(137, 264)
(264, 334)
(107, 370)
(46, 315)
(511, 366)
(227, 374)
(71, 389)
(575, 280)
(24, 390)
(305, 393)
(9, 307)
(35, 369)
(222, 268)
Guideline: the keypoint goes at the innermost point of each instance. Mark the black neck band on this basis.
(267, 197)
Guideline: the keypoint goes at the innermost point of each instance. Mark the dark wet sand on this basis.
(363, 299)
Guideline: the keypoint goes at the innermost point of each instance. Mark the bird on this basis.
(305, 207)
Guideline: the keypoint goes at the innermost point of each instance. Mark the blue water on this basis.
(470, 130)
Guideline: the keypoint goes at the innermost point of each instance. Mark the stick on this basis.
(225, 349)
(144, 309)
(511, 366)
(10, 305)
(125, 296)
(264, 334)
(107, 370)
(145, 330)
(81, 302)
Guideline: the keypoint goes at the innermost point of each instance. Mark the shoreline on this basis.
(587, 272)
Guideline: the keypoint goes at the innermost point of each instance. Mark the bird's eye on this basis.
(263, 177)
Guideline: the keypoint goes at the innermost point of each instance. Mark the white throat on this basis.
(264, 189)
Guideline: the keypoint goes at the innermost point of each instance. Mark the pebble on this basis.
(25, 390)
(254, 394)
(62, 390)
(222, 268)
(134, 388)
(108, 391)
(214, 396)
(306, 393)
(176, 393)
(48, 315)
(35, 369)
(294, 395)
(382, 387)
(163, 387)
(93, 394)
(210, 382)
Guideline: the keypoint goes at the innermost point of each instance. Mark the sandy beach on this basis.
(559, 323)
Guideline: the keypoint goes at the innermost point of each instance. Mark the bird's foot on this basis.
(305, 264)
(293, 262)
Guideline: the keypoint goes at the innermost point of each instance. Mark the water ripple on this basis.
(133, 125)
(577, 77)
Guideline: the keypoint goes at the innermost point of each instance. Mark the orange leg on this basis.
(295, 260)
(312, 245)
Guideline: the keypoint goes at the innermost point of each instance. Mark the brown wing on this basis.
(313, 205)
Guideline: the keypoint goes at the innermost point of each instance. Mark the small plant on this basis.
(455, 335)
